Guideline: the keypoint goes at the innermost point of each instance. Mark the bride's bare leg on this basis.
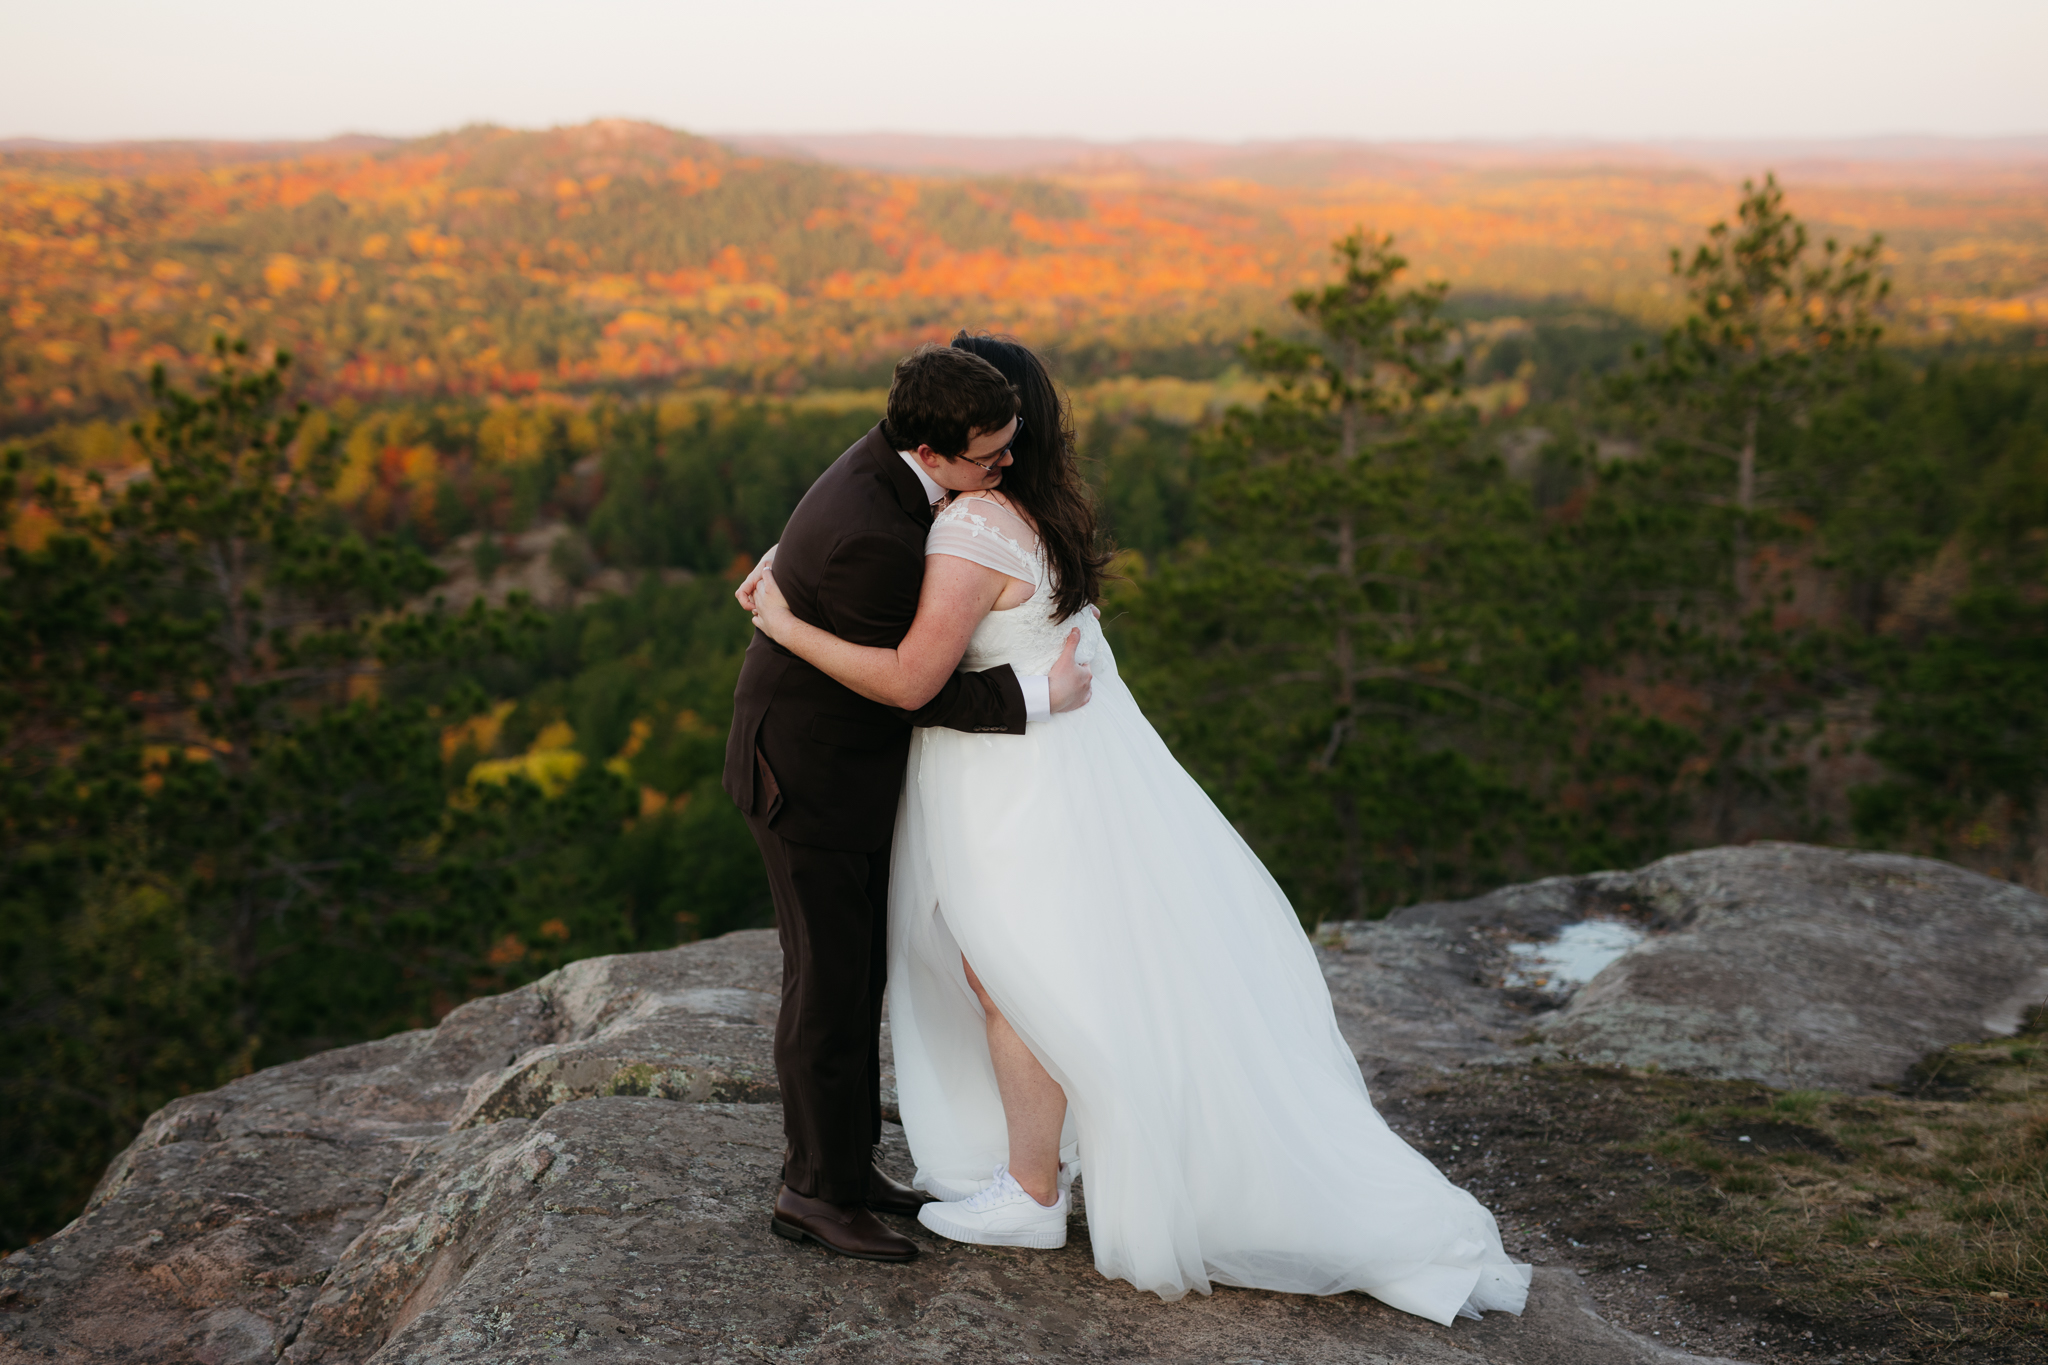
(1034, 1106)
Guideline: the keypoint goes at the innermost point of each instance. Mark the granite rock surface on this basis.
(634, 1229)
(583, 1167)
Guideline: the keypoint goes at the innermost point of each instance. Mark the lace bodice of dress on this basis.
(1025, 636)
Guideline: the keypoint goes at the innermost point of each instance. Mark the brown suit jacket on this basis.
(851, 561)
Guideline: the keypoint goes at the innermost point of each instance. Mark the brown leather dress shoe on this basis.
(886, 1194)
(849, 1230)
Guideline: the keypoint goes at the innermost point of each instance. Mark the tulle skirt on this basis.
(1148, 959)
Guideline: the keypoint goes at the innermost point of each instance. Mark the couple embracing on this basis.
(1089, 970)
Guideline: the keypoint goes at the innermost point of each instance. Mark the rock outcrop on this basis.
(306, 1208)
(1796, 966)
(582, 1167)
(513, 1186)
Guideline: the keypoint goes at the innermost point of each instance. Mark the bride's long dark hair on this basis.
(1046, 478)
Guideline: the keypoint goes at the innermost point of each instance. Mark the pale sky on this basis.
(1104, 69)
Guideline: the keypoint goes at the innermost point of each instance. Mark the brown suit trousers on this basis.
(832, 920)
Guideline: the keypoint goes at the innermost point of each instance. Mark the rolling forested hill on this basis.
(617, 253)
(613, 253)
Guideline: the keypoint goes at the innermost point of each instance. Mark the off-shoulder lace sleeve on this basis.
(986, 533)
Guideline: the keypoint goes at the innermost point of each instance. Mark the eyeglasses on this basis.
(988, 466)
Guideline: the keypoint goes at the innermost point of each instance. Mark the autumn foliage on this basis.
(617, 253)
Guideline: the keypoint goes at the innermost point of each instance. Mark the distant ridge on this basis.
(241, 151)
(1295, 162)
(116, 158)
(1308, 160)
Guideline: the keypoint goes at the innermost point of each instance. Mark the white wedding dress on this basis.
(1150, 961)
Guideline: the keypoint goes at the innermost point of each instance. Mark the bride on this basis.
(1086, 961)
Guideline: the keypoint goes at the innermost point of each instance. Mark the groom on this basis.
(817, 769)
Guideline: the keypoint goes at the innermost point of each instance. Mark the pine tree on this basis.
(1773, 328)
(1327, 646)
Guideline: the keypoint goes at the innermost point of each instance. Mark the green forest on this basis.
(280, 770)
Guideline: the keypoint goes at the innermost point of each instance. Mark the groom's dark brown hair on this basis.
(943, 398)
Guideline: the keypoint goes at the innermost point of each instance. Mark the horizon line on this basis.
(23, 141)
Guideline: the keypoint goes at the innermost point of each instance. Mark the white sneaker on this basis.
(954, 1191)
(1001, 1215)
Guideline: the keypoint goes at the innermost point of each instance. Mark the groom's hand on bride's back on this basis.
(1070, 681)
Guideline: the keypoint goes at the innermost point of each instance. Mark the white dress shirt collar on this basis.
(932, 491)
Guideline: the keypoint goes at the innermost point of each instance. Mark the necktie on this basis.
(938, 506)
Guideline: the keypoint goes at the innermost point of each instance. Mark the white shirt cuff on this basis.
(1037, 696)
